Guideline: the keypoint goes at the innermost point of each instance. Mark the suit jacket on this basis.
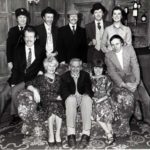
(72, 45)
(91, 32)
(19, 71)
(130, 66)
(67, 85)
(42, 35)
(15, 37)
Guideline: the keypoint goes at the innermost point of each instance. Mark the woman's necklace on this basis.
(50, 78)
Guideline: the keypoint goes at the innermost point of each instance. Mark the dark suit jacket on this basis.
(93, 54)
(15, 37)
(72, 45)
(91, 31)
(67, 85)
(19, 71)
(42, 35)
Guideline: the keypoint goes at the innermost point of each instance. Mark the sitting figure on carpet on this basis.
(102, 110)
(45, 90)
(76, 92)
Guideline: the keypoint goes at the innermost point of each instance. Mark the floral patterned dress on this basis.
(48, 90)
(34, 115)
(103, 109)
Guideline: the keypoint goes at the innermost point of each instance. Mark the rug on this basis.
(11, 138)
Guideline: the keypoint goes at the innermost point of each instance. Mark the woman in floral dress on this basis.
(102, 100)
(45, 90)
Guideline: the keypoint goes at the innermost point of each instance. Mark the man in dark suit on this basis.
(72, 39)
(76, 91)
(15, 34)
(47, 31)
(94, 31)
(28, 60)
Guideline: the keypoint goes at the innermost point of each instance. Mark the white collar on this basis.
(47, 26)
(27, 48)
(101, 22)
(71, 25)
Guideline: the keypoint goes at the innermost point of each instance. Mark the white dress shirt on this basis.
(71, 27)
(49, 41)
(27, 49)
(120, 57)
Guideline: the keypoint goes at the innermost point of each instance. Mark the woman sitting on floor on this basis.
(45, 91)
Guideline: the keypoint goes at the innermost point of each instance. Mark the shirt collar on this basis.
(75, 76)
(120, 52)
(47, 26)
(27, 48)
(121, 26)
(75, 26)
(101, 22)
(20, 27)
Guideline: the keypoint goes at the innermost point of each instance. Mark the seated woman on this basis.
(45, 91)
(103, 112)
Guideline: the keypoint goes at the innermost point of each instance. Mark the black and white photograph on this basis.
(74, 74)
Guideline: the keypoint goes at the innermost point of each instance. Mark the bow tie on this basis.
(75, 75)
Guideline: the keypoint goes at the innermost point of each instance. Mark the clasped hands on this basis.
(130, 86)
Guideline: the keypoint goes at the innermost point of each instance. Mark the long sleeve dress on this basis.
(34, 114)
(103, 109)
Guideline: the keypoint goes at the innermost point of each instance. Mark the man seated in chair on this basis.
(76, 91)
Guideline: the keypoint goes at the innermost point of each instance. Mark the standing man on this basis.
(47, 31)
(116, 28)
(72, 39)
(123, 68)
(76, 91)
(15, 34)
(94, 31)
(28, 60)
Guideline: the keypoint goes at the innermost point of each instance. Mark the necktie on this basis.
(73, 29)
(98, 25)
(21, 28)
(29, 58)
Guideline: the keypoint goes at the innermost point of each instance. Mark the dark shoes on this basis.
(55, 143)
(51, 144)
(84, 141)
(72, 141)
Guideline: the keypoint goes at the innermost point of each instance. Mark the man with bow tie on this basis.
(94, 31)
(47, 31)
(28, 61)
(76, 91)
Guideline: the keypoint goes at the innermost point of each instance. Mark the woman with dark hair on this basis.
(101, 85)
(116, 28)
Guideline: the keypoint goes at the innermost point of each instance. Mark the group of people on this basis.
(109, 93)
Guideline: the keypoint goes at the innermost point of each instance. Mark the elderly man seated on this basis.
(76, 91)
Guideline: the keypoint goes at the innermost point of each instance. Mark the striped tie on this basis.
(73, 29)
(29, 58)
